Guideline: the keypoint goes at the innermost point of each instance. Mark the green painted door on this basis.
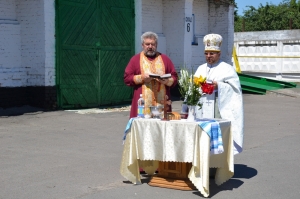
(95, 40)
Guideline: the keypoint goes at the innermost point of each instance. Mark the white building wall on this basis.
(167, 19)
(221, 22)
(269, 54)
(7, 10)
(188, 33)
(49, 39)
(212, 17)
(27, 57)
(200, 11)
(174, 27)
(11, 72)
(151, 12)
(230, 35)
(28, 28)
(31, 17)
(170, 20)
(138, 4)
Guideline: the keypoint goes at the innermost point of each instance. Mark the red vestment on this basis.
(134, 69)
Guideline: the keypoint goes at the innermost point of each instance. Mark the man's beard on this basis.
(150, 53)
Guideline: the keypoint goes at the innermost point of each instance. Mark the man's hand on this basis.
(146, 78)
(215, 84)
(163, 81)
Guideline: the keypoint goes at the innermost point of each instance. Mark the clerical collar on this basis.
(213, 65)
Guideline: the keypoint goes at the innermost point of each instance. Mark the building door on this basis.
(95, 40)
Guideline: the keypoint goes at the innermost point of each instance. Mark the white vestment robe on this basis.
(230, 99)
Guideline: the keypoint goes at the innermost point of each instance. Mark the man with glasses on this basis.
(137, 74)
(226, 101)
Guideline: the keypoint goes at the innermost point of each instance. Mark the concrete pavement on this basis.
(64, 155)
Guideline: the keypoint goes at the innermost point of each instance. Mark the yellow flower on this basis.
(199, 80)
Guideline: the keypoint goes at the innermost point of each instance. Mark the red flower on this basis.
(207, 88)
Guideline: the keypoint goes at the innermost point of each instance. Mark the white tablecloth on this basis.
(149, 141)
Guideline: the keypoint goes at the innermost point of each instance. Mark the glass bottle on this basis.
(141, 107)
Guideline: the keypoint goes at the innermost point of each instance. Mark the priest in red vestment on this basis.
(149, 61)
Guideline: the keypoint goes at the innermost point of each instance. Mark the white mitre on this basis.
(212, 42)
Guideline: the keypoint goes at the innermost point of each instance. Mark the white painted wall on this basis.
(28, 28)
(49, 39)
(149, 18)
(7, 10)
(270, 43)
(138, 24)
(200, 11)
(173, 27)
(168, 18)
(11, 71)
(27, 37)
(221, 21)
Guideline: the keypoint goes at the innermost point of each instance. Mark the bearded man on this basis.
(136, 75)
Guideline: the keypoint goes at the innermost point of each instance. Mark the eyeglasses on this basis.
(211, 53)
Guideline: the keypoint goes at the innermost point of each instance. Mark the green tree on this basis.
(269, 17)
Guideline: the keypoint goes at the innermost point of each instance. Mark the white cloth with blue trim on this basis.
(148, 141)
(211, 127)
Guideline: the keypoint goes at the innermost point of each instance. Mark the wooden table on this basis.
(150, 141)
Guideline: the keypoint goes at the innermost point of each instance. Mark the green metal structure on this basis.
(260, 85)
(94, 42)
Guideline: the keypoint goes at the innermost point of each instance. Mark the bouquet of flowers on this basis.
(190, 88)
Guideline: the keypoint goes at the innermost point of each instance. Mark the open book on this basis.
(165, 76)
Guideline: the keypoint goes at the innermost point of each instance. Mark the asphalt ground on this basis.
(68, 154)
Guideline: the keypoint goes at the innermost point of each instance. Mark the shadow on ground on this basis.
(240, 171)
(15, 111)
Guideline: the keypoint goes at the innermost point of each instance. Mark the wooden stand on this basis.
(173, 175)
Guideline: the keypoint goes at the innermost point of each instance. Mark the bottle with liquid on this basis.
(141, 107)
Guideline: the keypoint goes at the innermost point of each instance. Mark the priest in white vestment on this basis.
(226, 102)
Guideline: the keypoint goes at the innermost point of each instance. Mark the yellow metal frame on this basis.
(236, 61)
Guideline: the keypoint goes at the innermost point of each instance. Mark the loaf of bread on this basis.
(173, 116)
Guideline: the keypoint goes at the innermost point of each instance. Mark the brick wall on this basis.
(32, 40)
(152, 13)
(27, 43)
(7, 10)
(167, 17)
(27, 52)
(221, 22)
(11, 71)
(174, 26)
(200, 11)
(28, 29)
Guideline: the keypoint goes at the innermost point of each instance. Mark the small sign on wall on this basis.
(188, 21)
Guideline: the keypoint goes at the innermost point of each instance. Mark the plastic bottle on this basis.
(141, 107)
